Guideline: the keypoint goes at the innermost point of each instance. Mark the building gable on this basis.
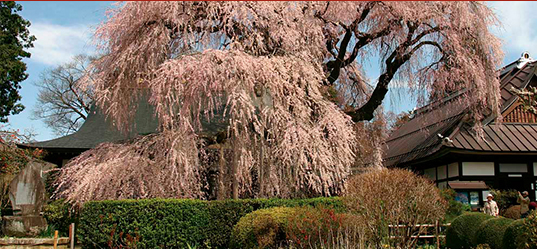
(517, 114)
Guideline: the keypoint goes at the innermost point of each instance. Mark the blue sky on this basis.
(64, 29)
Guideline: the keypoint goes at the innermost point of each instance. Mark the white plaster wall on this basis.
(442, 172)
(453, 169)
(478, 168)
(514, 167)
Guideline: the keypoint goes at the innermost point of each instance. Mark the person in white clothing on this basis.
(491, 208)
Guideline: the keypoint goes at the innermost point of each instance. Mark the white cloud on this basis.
(518, 20)
(57, 44)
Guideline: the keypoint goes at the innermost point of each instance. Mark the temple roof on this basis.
(443, 125)
(97, 129)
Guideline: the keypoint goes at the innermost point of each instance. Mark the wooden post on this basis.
(56, 239)
(436, 233)
(72, 235)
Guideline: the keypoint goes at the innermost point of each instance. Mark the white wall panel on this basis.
(453, 169)
(441, 172)
(513, 167)
(478, 168)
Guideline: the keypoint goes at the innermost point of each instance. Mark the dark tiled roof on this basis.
(515, 78)
(96, 129)
(499, 138)
(421, 136)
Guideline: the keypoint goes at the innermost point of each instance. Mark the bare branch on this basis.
(62, 103)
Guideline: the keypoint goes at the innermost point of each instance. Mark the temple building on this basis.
(439, 142)
(95, 130)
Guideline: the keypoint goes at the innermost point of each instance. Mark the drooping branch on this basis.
(268, 79)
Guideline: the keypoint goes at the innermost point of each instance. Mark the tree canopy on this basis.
(268, 68)
(62, 103)
(15, 39)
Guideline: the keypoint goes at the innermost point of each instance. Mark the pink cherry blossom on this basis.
(263, 69)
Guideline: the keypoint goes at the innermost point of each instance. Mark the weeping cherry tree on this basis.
(267, 69)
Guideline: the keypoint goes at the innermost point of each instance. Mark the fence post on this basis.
(56, 239)
(436, 228)
(72, 235)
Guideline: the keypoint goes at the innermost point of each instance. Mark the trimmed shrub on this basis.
(153, 223)
(513, 233)
(264, 228)
(225, 214)
(529, 237)
(460, 235)
(173, 223)
(392, 197)
(60, 215)
(512, 212)
(491, 232)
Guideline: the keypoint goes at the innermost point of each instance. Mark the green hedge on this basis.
(460, 235)
(491, 232)
(148, 223)
(225, 214)
(173, 223)
(521, 234)
(512, 234)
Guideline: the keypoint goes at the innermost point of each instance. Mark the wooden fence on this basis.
(425, 231)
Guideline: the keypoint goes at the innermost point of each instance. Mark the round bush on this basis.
(512, 212)
(512, 234)
(522, 233)
(491, 232)
(393, 196)
(460, 235)
(262, 228)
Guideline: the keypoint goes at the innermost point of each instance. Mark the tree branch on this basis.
(335, 66)
(393, 63)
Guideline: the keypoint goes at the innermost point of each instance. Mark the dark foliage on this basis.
(173, 223)
(491, 232)
(460, 235)
(15, 39)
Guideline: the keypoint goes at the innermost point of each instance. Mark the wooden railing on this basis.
(431, 231)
